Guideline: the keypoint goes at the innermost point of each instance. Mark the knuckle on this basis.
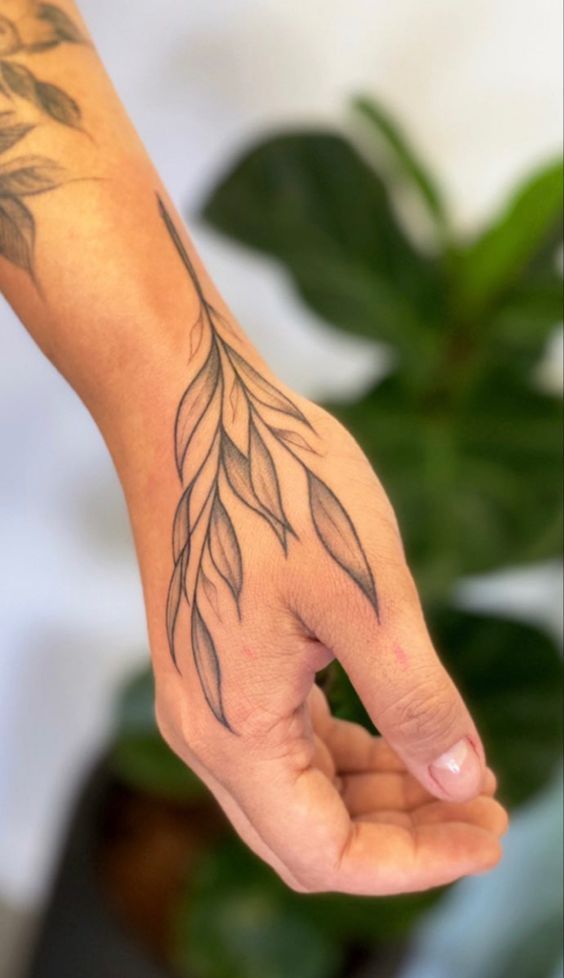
(426, 714)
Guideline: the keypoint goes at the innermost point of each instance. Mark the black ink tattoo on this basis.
(227, 418)
(22, 177)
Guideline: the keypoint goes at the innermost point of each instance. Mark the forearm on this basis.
(103, 276)
(85, 258)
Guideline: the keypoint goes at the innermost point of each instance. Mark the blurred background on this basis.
(376, 191)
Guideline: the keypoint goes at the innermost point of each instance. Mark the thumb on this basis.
(405, 688)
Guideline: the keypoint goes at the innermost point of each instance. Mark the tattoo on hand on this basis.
(40, 27)
(229, 421)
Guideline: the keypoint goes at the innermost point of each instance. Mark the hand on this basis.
(326, 804)
(286, 554)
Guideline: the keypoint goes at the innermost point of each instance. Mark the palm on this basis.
(417, 840)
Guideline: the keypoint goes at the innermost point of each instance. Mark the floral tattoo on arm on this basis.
(229, 420)
(25, 101)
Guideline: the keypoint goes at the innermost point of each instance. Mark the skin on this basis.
(104, 294)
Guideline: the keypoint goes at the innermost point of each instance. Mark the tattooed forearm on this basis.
(229, 424)
(36, 27)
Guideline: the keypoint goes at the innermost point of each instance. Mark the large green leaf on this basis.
(240, 921)
(530, 221)
(522, 323)
(474, 472)
(139, 756)
(405, 158)
(310, 200)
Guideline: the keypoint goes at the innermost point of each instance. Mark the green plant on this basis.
(465, 444)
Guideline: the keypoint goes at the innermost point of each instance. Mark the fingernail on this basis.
(458, 771)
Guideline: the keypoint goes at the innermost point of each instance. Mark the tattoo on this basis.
(41, 27)
(230, 425)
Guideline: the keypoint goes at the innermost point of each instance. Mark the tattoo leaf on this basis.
(264, 391)
(238, 473)
(17, 233)
(28, 175)
(58, 104)
(222, 439)
(207, 665)
(224, 549)
(63, 26)
(12, 135)
(264, 477)
(236, 412)
(292, 438)
(339, 537)
(196, 336)
(20, 80)
(173, 605)
(10, 40)
(181, 529)
(194, 404)
(210, 591)
(51, 99)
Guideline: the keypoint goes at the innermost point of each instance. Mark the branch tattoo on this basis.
(229, 423)
(27, 101)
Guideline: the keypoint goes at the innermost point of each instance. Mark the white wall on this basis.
(477, 83)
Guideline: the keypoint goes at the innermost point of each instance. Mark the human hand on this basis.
(286, 554)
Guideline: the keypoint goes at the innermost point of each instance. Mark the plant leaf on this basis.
(518, 329)
(208, 666)
(238, 473)
(404, 155)
(337, 533)
(58, 104)
(474, 503)
(65, 29)
(494, 261)
(11, 135)
(224, 549)
(17, 233)
(28, 175)
(194, 404)
(311, 201)
(264, 477)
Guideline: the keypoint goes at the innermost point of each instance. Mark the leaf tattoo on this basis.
(26, 176)
(228, 421)
(63, 28)
(50, 99)
(336, 531)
